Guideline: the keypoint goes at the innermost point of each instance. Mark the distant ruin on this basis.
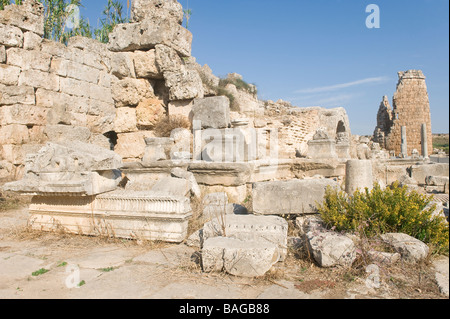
(411, 111)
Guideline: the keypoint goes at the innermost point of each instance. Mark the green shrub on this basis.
(240, 85)
(379, 211)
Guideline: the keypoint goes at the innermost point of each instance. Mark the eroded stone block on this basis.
(290, 197)
(237, 257)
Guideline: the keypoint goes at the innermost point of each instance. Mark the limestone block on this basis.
(39, 79)
(171, 186)
(95, 60)
(437, 180)
(210, 81)
(75, 87)
(383, 257)
(26, 59)
(212, 112)
(10, 36)
(31, 41)
(71, 168)
(12, 154)
(157, 149)
(145, 64)
(62, 133)
(167, 59)
(221, 174)
(421, 172)
(149, 112)
(309, 223)
(82, 72)
(88, 45)
(147, 34)
(290, 197)
(122, 214)
(13, 134)
(17, 154)
(16, 95)
(59, 66)
(29, 16)
(193, 186)
(183, 140)
(130, 92)
(100, 124)
(100, 140)
(272, 229)
(99, 108)
(237, 257)
(156, 9)
(91, 183)
(6, 170)
(105, 79)
(184, 85)
(183, 108)
(54, 48)
(100, 93)
(122, 65)
(125, 121)
(61, 114)
(23, 114)
(245, 102)
(132, 145)
(322, 149)
(227, 145)
(411, 249)
(331, 249)
(358, 175)
(216, 199)
(62, 102)
(81, 157)
(2, 54)
(9, 75)
(125, 37)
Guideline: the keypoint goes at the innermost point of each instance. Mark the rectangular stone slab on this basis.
(121, 214)
(295, 197)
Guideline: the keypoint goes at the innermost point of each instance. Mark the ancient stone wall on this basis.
(48, 91)
(297, 126)
(114, 94)
(106, 94)
(411, 109)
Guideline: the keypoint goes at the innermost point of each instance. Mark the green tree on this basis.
(112, 16)
(4, 3)
(57, 13)
(187, 16)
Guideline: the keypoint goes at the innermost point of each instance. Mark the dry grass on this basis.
(399, 280)
(61, 238)
(10, 201)
(166, 125)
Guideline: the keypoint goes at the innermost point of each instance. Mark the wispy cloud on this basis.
(343, 85)
(326, 99)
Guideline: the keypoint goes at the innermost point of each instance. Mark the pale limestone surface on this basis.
(290, 197)
(412, 250)
(240, 258)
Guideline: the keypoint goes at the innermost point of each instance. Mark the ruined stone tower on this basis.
(411, 109)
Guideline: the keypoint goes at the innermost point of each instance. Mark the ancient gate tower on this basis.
(410, 111)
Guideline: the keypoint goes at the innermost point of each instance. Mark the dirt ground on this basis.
(35, 265)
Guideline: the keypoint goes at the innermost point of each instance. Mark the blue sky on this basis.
(320, 52)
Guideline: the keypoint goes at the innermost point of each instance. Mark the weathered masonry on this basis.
(410, 111)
